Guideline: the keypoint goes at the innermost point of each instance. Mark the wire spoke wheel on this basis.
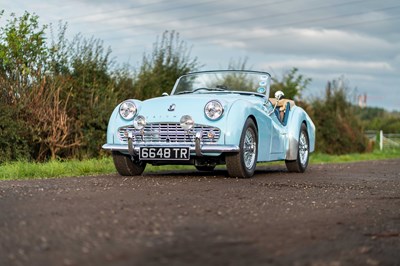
(243, 163)
(303, 153)
(249, 148)
(303, 149)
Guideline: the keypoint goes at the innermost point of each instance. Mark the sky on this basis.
(357, 41)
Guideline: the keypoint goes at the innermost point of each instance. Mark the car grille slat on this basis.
(168, 133)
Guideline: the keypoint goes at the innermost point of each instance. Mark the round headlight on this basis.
(139, 122)
(213, 109)
(127, 110)
(187, 122)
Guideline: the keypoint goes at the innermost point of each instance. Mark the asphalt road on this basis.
(340, 214)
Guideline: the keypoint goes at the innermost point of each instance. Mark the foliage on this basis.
(57, 96)
(22, 64)
(22, 56)
(159, 70)
(14, 142)
(240, 64)
(47, 117)
(292, 84)
(374, 118)
(235, 81)
(339, 131)
(92, 99)
(62, 93)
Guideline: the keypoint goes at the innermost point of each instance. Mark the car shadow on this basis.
(216, 173)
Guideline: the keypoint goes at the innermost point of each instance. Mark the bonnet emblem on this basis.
(172, 107)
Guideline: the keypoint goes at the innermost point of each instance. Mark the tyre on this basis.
(126, 166)
(243, 164)
(303, 152)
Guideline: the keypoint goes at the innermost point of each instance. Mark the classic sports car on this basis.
(211, 118)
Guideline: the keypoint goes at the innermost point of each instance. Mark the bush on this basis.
(169, 60)
(339, 131)
(14, 143)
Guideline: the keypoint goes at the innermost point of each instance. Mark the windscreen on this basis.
(223, 81)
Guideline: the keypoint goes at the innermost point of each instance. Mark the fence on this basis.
(385, 140)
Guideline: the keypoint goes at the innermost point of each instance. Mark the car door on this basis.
(278, 136)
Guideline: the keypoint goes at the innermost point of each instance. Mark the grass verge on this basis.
(355, 157)
(52, 169)
(28, 170)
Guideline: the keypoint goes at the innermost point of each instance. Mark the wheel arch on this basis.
(238, 114)
(298, 118)
(252, 117)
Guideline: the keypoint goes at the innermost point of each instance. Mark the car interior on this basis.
(282, 109)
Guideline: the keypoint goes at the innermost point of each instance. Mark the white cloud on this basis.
(313, 42)
(332, 65)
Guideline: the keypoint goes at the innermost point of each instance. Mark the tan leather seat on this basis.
(282, 103)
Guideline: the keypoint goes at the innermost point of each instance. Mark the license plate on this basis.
(164, 153)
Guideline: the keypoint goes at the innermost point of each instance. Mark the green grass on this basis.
(53, 169)
(355, 157)
(26, 170)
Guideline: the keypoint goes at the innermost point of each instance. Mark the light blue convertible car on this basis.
(211, 118)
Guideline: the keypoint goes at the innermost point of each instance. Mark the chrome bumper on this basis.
(199, 150)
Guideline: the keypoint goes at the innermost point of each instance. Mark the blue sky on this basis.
(358, 40)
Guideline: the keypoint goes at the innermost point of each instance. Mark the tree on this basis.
(14, 142)
(292, 84)
(240, 64)
(339, 131)
(159, 70)
(22, 63)
(61, 95)
(23, 54)
(374, 118)
(92, 93)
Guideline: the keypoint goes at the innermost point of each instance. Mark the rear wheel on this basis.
(126, 166)
(243, 163)
(303, 152)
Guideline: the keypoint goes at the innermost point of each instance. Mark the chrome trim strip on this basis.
(204, 148)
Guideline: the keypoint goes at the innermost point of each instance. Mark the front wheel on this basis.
(243, 163)
(303, 152)
(126, 166)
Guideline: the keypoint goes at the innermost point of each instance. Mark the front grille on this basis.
(168, 133)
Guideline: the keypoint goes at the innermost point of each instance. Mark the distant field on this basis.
(26, 170)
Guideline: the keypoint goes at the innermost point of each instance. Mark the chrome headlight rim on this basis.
(127, 110)
(186, 122)
(139, 122)
(213, 110)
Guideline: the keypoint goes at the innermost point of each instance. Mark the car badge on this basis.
(172, 107)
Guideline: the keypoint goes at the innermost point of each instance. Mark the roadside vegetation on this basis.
(56, 96)
(104, 166)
